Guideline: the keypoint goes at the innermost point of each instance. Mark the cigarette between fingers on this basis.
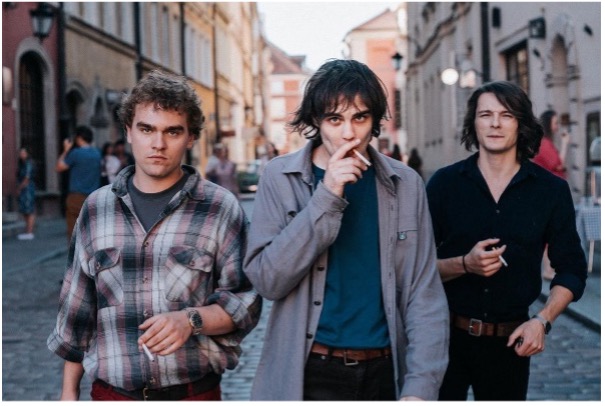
(148, 353)
(501, 258)
(363, 158)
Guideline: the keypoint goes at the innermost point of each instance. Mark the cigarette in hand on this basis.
(501, 259)
(363, 158)
(148, 353)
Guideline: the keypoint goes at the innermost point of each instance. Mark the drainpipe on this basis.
(215, 68)
(485, 60)
(138, 64)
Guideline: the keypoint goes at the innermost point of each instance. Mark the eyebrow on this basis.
(360, 113)
(172, 128)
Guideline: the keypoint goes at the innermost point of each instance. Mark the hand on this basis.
(484, 261)
(528, 338)
(166, 332)
(410, 398)
(67, 144)
(343, 167)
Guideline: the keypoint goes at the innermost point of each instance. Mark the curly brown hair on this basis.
(168, 92)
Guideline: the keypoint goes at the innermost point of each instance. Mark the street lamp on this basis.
(42, 20)
(396, 60)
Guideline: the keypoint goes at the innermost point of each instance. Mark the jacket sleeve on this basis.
(285, 240)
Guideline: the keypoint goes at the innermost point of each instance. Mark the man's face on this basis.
(496, 127)
(347, 124)
(159, 140)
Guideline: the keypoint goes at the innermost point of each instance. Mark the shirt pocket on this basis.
(188, 275)
(109, 277)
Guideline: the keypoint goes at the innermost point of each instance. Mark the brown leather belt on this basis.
(476, 327)
(351, 357)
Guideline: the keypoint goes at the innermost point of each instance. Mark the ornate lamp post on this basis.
(42, 20)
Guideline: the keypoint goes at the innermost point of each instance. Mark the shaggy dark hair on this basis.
(85, 133)
(512, 97)
(168, 92)
(339, 81)
(546, 121)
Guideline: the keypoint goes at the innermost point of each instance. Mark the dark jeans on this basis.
(328, 378)
(494, 370)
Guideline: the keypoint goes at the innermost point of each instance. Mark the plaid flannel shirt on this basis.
(118, 275)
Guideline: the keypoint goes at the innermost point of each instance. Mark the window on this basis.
(517, 70)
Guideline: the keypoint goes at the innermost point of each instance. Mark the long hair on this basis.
(512, 97)
(335, 85)
(546, 121)
(168, 92)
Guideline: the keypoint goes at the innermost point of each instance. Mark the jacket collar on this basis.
(120, 188)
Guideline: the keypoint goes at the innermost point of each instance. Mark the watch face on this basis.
(195, 320)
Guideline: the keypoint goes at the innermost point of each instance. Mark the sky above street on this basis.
(315, 29)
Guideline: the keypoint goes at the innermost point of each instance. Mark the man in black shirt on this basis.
(493, 214)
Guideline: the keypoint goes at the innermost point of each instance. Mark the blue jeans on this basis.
(328, 378)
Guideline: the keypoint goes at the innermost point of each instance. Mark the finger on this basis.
(485, 243)
(345, 150)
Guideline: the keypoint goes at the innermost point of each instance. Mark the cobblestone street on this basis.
(569, 369)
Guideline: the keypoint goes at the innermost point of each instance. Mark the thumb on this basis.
(485, 243)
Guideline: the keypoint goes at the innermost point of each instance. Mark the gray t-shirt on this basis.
(149, 206)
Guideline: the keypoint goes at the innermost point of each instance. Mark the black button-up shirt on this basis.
(535, 209)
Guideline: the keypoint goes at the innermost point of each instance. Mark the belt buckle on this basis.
(471, 327)
(347, 362)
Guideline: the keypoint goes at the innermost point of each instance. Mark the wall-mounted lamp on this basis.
(466, 76)
(537, 28)
(450, 76)
(587, 29)
(396, 60)
(42, 20)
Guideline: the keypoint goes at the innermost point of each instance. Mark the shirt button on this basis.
(145, 279)
(145, 313)
(321, 268)
(486, 290)
(317, 303)
(152, 381)
(309, 335)
(146, 244)
(497, 211)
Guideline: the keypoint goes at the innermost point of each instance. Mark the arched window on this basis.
(31, 114)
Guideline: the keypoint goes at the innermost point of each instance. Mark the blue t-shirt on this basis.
(353, 314)
(84, 169)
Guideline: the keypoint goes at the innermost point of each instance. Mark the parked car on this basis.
(248, 176)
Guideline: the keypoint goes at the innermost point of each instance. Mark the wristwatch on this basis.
(195, 319)
(545, 323)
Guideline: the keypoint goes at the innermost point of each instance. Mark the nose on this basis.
(157, 141)
(496, 120)
(348, 132)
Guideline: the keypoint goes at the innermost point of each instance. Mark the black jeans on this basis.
(328, 378)
(494, 370)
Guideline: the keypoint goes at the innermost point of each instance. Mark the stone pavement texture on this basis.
(569, 369)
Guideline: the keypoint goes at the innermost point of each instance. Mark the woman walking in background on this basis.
(26, 192)
(110, 164)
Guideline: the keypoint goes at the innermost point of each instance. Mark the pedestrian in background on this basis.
(492, 214)
(396, 154)
(415, 162)
(341, 242)
(84, 165)
(222, 170)
(125, 157)
(553, 160)
(155, 303)
(26, 192)
(110, 164)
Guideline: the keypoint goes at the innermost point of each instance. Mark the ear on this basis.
(128, 135)
(190, 142)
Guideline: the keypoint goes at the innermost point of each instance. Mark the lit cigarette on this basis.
(363, 158)
(501, 259)
(149, 354)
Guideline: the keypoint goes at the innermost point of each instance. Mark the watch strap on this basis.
(545, 323)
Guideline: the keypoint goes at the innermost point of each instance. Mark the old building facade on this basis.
(96, 52)
(552, 50)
